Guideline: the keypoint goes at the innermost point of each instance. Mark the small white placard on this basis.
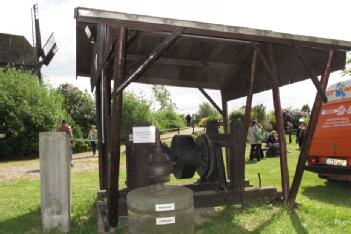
(164, 207)
(130, 137)
(165, 220)
(144, 134)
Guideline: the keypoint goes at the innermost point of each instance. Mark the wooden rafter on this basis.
(150, 59)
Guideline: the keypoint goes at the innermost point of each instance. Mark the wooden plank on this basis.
(116, 121)
(150, 23)
(309, 134)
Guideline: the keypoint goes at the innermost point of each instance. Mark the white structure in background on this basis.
(55, 174)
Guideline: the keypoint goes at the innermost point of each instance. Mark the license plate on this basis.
(336, 162)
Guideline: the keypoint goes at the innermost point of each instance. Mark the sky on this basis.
(329, 19)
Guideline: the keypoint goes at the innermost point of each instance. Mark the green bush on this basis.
(81, 110)
(206, 110)
(135, 110)
(26, 108)
(238, 115)
(167, 118)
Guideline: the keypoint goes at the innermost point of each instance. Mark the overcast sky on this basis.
(329, 19)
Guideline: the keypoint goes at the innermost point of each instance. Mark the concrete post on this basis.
(54, 153)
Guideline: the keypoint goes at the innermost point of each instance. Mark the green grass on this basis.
(324, 207)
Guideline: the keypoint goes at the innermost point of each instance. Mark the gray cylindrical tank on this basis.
(161, 209)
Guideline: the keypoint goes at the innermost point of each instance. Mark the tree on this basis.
(81, 110)
(79, 105)
(206, 110)
(238, 114)
(259, 113)
(135, 110)
(162, 96)
(26, 108)
(306, 108)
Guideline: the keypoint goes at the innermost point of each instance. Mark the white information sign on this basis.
(164, 207)
(165, 220)
(145, 134)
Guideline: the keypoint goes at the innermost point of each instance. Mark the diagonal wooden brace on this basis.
(309, 135)
(163, 46)
(211, 101)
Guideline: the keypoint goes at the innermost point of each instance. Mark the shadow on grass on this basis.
(334, 193)
(84, 222)
(226, 221)
(295, 220)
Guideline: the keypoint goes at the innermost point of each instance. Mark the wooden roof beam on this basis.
(167, 42)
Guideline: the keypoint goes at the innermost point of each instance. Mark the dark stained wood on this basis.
(270, 66)
(98, 101)
(202, 29)
(280, 125)
(213, 103)
(248, 105)
(309, 67)
(309, 134)
(237, 155)
(116, 120)
(151, 58)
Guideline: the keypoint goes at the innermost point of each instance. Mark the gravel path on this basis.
(82, 162)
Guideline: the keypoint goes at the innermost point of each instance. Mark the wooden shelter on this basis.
(237, 61)
(17, 52)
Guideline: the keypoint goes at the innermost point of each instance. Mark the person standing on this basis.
(92, 137)
(289, 127)
(66, 128)
(188, 120)
(253, 139)
(302, 134)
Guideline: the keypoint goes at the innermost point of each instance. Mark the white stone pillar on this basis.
(55, 174)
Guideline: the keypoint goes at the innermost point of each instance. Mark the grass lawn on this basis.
(325, 207)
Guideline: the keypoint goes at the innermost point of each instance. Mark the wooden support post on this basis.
(309, 67)
(309, 134)
(239, 132)
(105, 117)
(271, 68)
(213, 103)
(163, 46)
(226, 131)
(237, 153)
(280, 126)
(98, 101)
(116, 119)
(248, 105)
